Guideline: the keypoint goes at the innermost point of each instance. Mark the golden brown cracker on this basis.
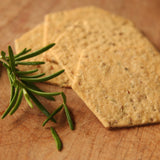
(118, 75)
(58, 29)
(34, 40)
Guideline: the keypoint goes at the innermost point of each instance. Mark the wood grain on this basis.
(21, 135)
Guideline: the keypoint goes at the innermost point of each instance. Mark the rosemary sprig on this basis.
(22, 85)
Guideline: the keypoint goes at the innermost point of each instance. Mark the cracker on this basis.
(58, 29)
(34, 40)
(118, 75)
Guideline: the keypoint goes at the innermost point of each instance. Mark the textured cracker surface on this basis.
(34, 40)
(118, 75)
(63, 29)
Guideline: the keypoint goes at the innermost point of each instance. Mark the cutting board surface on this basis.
(23, 138)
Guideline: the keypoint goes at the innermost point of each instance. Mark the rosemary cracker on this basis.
(34, 40)
(58, 29)
(118, 75)
(118, 72)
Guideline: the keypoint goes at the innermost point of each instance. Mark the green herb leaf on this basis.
(43, 93)
(11, 59)
(11, 105)
(12, 92)
(26, 72)
(17, 103)
(32, 86)
(6, 65)
(57, 139)
(3, 58)
(28, 63)
(34, 76)
(44, 78)
(12, 87)
(35, 53)
(70, 122)
(64, 97)
(26, 96)
(3, 54)
(23, 52)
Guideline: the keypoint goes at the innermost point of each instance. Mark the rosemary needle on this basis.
(70, 122)
(3, 54)
(26, 72)
(36, 53)
(12, 87)
(18, 102)
(11, 105)
(22, 52)
(27, 98)
(44, 78)
(43, 93)
(29, 63)
(31, 85)
(34, 76)
(11, 59)
(57, 139)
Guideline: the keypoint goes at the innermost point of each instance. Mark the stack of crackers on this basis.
(113, 68)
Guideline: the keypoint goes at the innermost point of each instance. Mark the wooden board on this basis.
(21, 135)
